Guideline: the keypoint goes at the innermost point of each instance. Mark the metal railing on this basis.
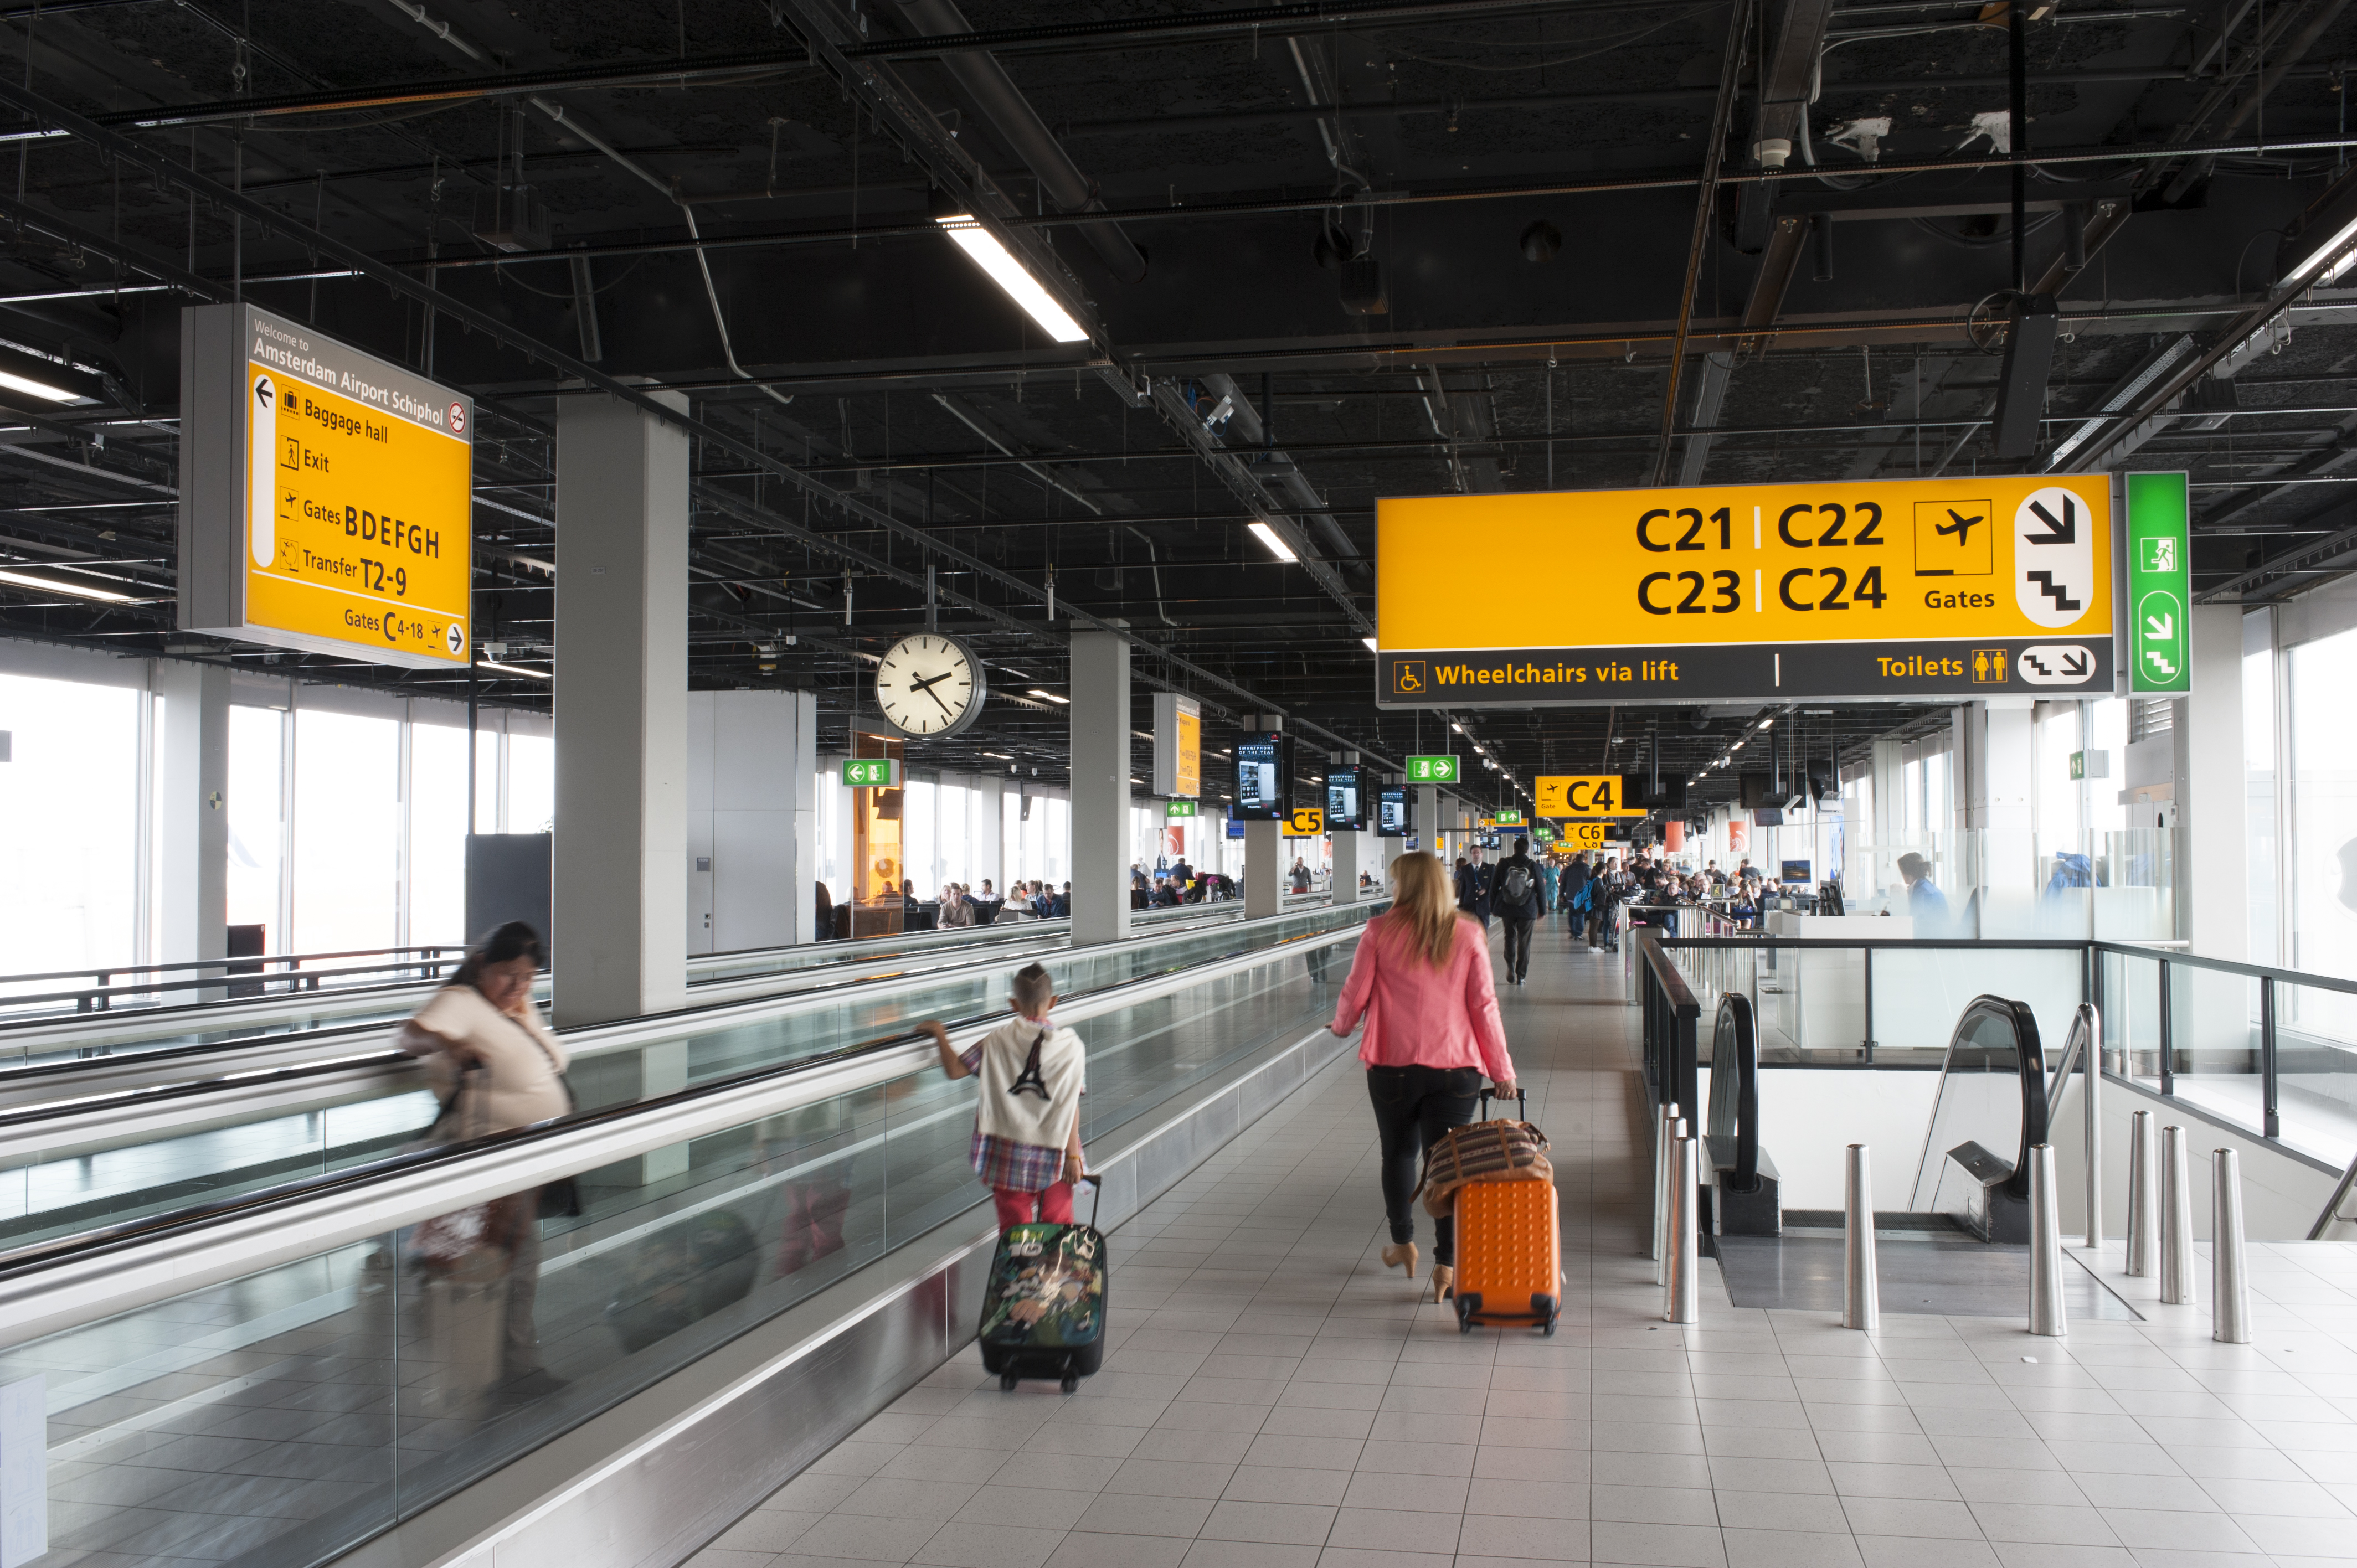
(242, 976)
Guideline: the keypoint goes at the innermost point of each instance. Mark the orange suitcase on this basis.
(1509, 1255)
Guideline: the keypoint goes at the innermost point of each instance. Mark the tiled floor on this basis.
(1273, 1399)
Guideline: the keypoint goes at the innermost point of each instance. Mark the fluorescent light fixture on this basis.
(1277, 546)
(2315, 258)
(983, 249)
(518, 669)
(1371, 644)
(31, 388)
(1457, 727)
(1050, 697)
(1000, 755)
(50, 586)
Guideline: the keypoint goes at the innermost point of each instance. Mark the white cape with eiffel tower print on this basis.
(1033, 1076)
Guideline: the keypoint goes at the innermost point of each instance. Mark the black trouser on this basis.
(1414, 1106)
(1518, 944)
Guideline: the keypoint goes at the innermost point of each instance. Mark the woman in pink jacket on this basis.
(1421, 980)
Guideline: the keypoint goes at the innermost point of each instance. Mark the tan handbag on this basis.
(1504, 1150)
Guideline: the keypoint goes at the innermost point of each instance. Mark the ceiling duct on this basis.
(1001, 102)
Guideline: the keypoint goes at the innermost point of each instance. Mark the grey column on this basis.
(1100, 719)
(1427, 819)
(1349, 858)
(620, 944)
(989, 858)
(749, 819)
(1265, 869)
(192, 815)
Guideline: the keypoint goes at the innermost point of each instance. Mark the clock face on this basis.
(930, 685)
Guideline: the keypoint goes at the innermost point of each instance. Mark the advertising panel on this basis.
(1871, 590)
(1344, 811)
(1264, 780)
(326, 500)
(1392, 813)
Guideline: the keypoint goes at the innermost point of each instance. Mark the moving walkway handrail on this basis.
(1735, 1088)
(618, 1035)
(2029, 1073)
(74, 1279)
(1671, 1014)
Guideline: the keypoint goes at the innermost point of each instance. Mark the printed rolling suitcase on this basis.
(1043, 1308)
(1509, 1254)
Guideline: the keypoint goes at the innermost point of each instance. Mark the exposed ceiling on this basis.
(735, 199)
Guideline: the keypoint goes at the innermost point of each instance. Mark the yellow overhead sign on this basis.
(1584, 795)
(1307, 822)
(1578, 836)
(343, 499)
(1883, 588)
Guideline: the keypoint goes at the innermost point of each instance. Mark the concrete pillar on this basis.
(989, 853)
(1264, 868)
(2212, 847)
(1890, 765)
(1350, 857)
(621, 736)
(1427, 819)
(1994, 787)
(192, 816)
(750, 757)
(1100, 746)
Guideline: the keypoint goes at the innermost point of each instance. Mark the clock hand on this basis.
(936, 696)
(930, 681)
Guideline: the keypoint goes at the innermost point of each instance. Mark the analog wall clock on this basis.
(930, 685)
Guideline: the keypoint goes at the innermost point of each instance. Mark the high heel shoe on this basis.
(1401, 1255)
(1444, 1282)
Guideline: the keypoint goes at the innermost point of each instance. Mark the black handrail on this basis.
(2029, 1076)
(1673, 1071)
(114, 1238)
(1735, 1088)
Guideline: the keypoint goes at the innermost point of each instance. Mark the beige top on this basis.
(523, 1058)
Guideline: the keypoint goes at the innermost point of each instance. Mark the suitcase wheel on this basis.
(1007, 1381)
(1072, 1383)
(1466, 1306)
(1549, 1329)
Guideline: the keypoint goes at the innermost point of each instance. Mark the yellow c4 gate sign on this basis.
(1584, 795)
(326, 500)
(1875, 589)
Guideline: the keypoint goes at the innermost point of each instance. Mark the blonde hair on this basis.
(1426, 904)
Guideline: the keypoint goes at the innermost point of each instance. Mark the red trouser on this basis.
(1054, 1205)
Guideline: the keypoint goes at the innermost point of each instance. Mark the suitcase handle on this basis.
(1522, 1102)
(1096, 1197)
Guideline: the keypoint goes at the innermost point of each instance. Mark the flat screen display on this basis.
(1345, 814)
(1796, 871)
(1264, 793)
(1391, 814)
(1236, 827)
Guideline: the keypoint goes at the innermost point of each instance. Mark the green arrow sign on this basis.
(2160, 583)
(1433, 770)
(871, 773)
(1175, 809)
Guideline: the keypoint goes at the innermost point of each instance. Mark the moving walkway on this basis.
(92, 1143)
(283, 1371)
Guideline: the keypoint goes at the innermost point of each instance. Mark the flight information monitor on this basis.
(1344, 813)
(1263, 792)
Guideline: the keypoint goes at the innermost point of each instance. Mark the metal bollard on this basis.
(1682, 1289)
(2142, 1231)
(2092, 1075)
(1861, 1297)
(2176, 1221)
(2046, 1314)
(1664, 1137)
(2230, 1284)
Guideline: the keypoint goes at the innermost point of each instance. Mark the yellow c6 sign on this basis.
(1583, 835)
(326, 504)
(1307, 822)
(1584, 795)
(1873, 589)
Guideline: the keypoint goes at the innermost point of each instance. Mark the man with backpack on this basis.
(1514, 899)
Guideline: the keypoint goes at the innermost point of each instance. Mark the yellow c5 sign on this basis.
(1584, 795)
(1874, 589)
(326, 501)
(1307, 822)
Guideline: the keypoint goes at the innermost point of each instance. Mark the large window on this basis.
(438, 834)
(70, 891)
(532, 784)
(920, 809)
(2323, 752)
(258, 823)
(347, 831)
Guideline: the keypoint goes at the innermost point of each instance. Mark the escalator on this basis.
(95, 1143)
(278, 1375)
(1959, 1247)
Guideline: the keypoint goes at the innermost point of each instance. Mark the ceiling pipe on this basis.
(1001, 102)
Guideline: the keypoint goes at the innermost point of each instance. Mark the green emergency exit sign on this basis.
(871, 773)
(2159, 583)
(1507, 817)
(1173, 810)
(1433, 770)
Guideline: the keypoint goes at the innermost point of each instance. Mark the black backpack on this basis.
(1515, 884)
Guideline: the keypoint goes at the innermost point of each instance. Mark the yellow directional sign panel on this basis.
(1870, 590)
(1583, 835)
(1307, 822)
(1584, 795)
(327, 496)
